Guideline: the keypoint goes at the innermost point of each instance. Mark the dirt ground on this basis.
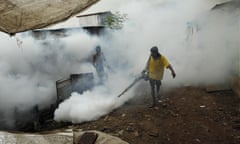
(185, 116)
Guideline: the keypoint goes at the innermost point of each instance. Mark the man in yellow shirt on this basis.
(155, 69)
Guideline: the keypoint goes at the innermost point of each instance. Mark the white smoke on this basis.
(97, 102)
(30, 68)
(201, 44)
(200, 47)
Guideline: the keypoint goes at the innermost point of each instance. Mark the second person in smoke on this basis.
(155, 69)
(99, 62)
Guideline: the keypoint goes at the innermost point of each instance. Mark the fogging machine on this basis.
(142, 76)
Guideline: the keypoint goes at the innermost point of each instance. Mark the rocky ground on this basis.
(186, 115)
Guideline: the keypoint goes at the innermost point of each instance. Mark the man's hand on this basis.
(144, 72)
(145, 75)
(173, 72)
(94, 65)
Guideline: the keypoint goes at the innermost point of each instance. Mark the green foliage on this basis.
(115, 20)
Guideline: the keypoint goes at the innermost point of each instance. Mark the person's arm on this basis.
(106, 63)
(104, 58)
(146, 66)
(172, 70)
(94, 60)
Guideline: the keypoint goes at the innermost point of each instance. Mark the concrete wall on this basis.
(236, 81)
(238, 48)
(236, 86)
(238, 62)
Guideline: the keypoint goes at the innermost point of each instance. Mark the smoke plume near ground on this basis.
(201, 44)
(30, 68)
(201, 50)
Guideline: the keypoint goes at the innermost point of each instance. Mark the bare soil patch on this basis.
(186, 115)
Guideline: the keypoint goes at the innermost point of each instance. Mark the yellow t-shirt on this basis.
(156, 67)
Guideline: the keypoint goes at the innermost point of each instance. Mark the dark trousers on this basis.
(101, 73)
(155, 89)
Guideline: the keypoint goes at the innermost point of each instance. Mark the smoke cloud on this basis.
(200, 43)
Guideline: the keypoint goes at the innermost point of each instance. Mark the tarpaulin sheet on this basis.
(22, 15)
